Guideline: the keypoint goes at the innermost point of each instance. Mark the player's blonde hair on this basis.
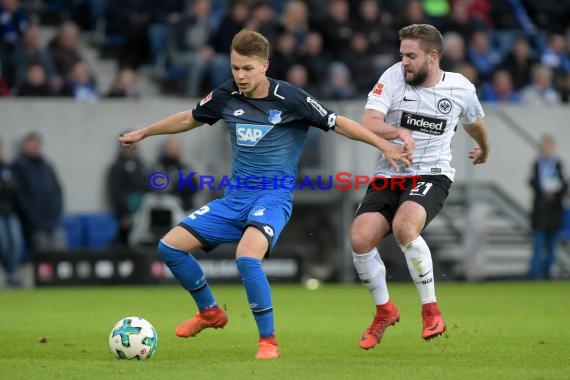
(428, 36)
(250, 44)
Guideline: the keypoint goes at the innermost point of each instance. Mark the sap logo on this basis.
(423, 124)
(250, 134)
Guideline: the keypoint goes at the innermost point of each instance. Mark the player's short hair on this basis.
(428, 36)
(250, 43)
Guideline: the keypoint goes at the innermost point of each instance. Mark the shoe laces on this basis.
(379, 323)
(429, 317)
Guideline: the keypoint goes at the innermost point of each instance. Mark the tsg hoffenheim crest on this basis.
(274, 116)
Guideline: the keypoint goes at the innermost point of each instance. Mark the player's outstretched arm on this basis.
(478, 132)
(176, 123)
(356, 131)
(374, 121)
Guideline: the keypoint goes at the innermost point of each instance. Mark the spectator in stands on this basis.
(549, 186)
(63, 49)
(130, 19)
(36, 83)
(437, 12)
(556, 56)
(358, 59)
(30, 52)
(482, 56)
(13, 25)
(283, 57)
(459, 22)
(234, 21)
(11, 238)
(500, 90)
(518, 62)
(298, 76)
(413, 13)
(382, 40)
(337, 28)
(126, 185)
(167, 11)
(564, 89)
(193, 51)
(263, 19)
(478, 11)
(453, 51)
(40, 198)
(295, 20)
(124, 85)
(4, 90)
(314, 58)
(81, 84)
(541, 90)
(171, 163)
(221, 41)
(338, 85)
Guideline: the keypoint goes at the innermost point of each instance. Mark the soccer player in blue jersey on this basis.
(267, 121)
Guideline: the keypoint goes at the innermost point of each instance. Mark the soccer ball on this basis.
(133, 338)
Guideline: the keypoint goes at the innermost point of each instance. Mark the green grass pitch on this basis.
(495, 331)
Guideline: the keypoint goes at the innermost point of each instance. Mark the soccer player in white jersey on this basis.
(417, 104)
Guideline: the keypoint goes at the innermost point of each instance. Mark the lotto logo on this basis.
(250, 134)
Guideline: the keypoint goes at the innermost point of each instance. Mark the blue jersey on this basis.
(267, 134)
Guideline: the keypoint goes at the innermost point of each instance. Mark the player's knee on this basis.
(169, 255)
(404, 232)
(361, 242)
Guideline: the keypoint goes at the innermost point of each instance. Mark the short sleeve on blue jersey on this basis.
(209, 108)
(312, 111)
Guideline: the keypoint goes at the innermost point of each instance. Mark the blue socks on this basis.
(258, 294)
(189, 273)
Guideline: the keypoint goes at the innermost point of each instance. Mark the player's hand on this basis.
(478, 156)
(408, 140)
(131, 138)
(398, 153)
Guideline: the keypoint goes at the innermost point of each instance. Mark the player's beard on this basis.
(419, 77)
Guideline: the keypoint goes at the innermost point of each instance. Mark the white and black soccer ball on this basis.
(133, 338)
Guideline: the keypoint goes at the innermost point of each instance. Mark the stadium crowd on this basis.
(514, 51)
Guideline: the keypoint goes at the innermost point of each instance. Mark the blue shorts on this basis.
(225, 220)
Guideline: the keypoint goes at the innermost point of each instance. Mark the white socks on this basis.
(372, 273)
(418, 257)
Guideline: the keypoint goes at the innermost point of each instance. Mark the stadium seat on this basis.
(100, 230)
(74, 230)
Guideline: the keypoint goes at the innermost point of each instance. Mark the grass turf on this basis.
(495, 331)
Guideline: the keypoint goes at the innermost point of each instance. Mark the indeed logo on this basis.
(424, 124)
(250, 134)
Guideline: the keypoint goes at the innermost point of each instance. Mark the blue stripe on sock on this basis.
(258, 294)
(189, 273)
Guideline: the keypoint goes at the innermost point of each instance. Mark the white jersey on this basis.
(431, 115)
